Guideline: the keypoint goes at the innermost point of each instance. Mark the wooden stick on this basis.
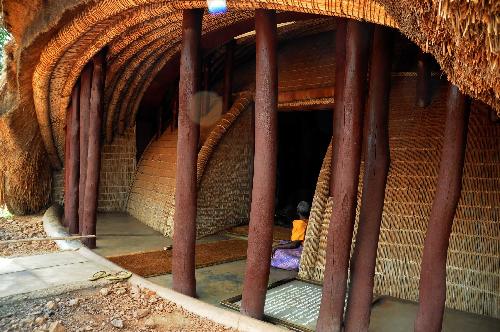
(260, 237)
(183, 264)
(73, 237)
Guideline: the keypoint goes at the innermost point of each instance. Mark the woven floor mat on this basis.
(153, 263)
(279, 233)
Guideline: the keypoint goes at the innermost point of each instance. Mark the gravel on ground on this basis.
(114, 307)
(24, 227)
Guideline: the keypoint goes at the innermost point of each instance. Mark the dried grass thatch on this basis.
(52, 41)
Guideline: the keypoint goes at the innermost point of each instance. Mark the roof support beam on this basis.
(260, 235)
(72, 164)
(376, 156)
(183, 264)
(346, 159)
(85, 86)
(433, 269)
(94, 150)
(228, 76)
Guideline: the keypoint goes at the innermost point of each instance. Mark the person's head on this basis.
(303, 209)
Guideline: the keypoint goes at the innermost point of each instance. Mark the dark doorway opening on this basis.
(303, 138)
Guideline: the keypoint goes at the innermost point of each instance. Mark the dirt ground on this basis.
(22, 227)
(118, 306)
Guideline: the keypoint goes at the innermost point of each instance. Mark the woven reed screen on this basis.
(224, 173)
(473, 267)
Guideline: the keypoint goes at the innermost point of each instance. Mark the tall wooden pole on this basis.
(376, 156)
(260, 235)
(345, 174)
(423, 80)
(183, 268)
(228, 76)
(433, 271)
(72, 165)
(67, 157)
(340, 35)
(94, 151)
(85, 85)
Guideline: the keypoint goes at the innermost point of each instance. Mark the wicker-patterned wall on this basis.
(226, 185)
(117, 170)
(473, 267)
(223, 191)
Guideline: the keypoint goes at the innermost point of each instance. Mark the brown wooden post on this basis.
(376, 156)
(345, 174)
(423, 80)
(67, 156)
(260, 235)
(449, 185)
(228, 76)
(94, 150)
(340, 35)
(183, 268)
(72, 164)
(85, 85)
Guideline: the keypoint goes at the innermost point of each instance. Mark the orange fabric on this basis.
(299, 230)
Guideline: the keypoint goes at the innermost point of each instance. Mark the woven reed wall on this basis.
(226, 185)
(152, 195)
(117, 171)
(473, 267)
(151, 198)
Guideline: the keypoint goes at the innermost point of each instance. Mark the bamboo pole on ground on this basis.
(345, 176)
(183, 264)
(433, 272)
(260, 235)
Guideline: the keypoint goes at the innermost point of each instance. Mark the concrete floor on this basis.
(119, 233)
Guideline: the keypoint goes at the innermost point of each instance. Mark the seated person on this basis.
(286, 255)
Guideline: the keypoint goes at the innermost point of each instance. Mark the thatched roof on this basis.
(52, 41)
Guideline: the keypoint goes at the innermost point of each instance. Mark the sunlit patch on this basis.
(216, 6)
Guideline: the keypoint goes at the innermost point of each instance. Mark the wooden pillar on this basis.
(423, 80)
(260, 235)
(340, 35)
(183, 265)
(376, 156)
(85, 85)
(228, 77)
(67, 156)
(72, 164)
(94, 150)
(345, 177)
(433, 272)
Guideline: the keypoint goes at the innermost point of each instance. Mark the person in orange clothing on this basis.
(287, 255)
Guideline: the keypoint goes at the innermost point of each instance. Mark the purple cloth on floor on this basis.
(287, 259)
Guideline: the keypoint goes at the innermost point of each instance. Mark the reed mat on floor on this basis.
(153, 263)
(279, 233)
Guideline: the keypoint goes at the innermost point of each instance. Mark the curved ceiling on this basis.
(141, 37)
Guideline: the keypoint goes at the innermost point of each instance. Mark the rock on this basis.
(118, 323)
(88, 328)
(104, 291)
(73, 302)
(153, 299)
(141, 313)
(51, 305)
(56, 326)
(150, 323)
(40, 320)
(120, 291)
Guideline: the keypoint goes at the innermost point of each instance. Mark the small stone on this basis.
(40, 320)
(57, 299)
(149, 323)
(73, 302)
(120, 291)
(51, 305)
(104, 291)
(118, 323)
(153, 299)
(88, 328)
(56, 326)
(141, 313)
